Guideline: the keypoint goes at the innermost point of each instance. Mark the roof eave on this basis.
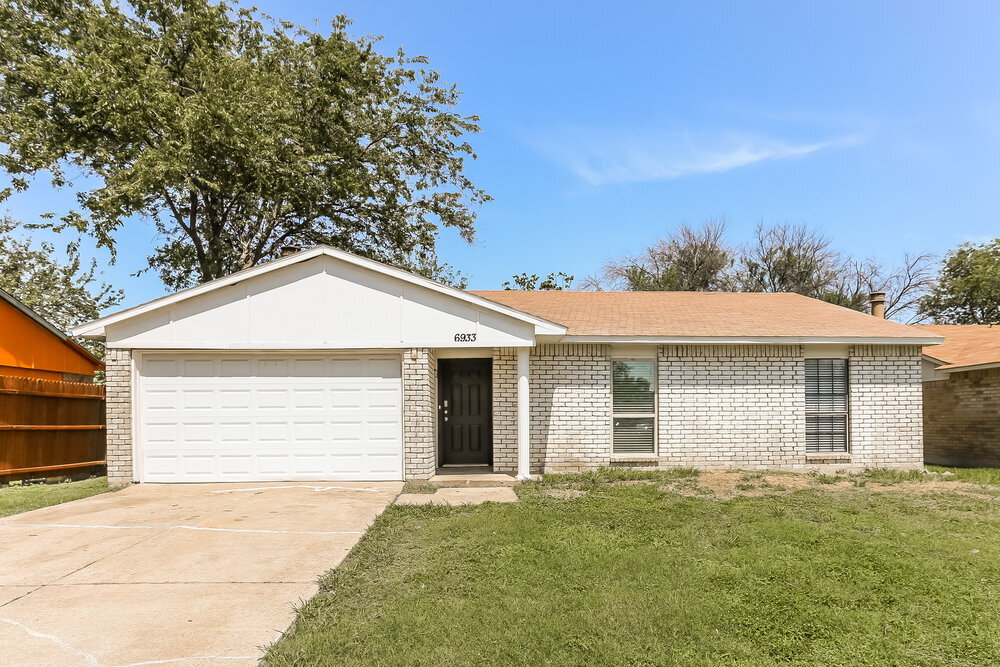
(758, 340)
(961, 368)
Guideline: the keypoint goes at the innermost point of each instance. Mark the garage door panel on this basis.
(236, 465)
(272, 398)
(308, 432)
(160, 399)
(195, 368)
(198, 399)
(235, 368)
(234, 399)
(272, 367)
(345, 397)
(387, 368)
(382, 397)
(309, 399)
(273, 464)
(270, 417)
(268, 432)
(195, 433)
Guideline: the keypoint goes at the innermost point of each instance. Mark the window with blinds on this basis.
(633, 407)
(826, 405)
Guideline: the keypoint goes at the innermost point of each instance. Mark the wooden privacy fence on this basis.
(50, 428)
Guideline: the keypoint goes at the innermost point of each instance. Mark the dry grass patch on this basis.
(725, 485)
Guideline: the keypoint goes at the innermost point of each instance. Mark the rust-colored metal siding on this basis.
(27, 349)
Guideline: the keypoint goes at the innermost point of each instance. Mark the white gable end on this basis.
(320, 303)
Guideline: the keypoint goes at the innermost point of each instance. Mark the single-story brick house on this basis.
(326, 366)
(962, 396)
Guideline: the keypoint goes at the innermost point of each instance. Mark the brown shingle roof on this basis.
(965, 344)
(699, 314)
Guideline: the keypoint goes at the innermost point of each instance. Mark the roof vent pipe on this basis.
(287, 250)
(877, 301)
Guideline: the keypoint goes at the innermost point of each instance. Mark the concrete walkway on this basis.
(186, 574)
(460, 496)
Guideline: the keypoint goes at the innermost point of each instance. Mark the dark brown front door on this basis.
(465, 390)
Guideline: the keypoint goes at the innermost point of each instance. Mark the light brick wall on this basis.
(731, 406)
(419, 413)
(118, 392)
(505, 410)
(570, 396)
(886, 407)
(962, 419)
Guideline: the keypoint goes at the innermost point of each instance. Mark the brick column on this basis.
(419, 413)
(886, 401)
(118, 391)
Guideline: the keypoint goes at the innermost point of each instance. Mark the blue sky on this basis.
(606, 125)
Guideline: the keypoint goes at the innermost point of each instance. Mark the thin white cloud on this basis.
(602, 158)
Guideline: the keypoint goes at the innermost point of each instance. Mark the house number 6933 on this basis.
(465, 338)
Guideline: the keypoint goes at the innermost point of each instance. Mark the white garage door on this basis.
(278, 417)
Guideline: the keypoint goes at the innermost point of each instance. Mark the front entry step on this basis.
(449, 478)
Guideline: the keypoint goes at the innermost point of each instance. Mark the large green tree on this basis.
(968, 286)
(235, 134)
(66, 291)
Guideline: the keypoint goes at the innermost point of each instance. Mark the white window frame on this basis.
(655, 414)
(845, 413)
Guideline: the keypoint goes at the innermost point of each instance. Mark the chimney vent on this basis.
(287, 250)
(877, 301)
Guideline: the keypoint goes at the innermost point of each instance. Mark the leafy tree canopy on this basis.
(64, 293)
(554, 281)
(968, 287)
(691, 259)
(234, 133)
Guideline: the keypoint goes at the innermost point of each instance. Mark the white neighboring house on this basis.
(325, 366)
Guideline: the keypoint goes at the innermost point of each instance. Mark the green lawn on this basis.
(17, 499)
(662, 572)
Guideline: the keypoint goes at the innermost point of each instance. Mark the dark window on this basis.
(633, 398)
(826, 405)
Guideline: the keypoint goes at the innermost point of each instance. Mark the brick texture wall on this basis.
(731, 406)
(886, 407)
(419, 413)
(570, 393)
(505, 410)
(962, 419)
(118, 390)
(718, 407)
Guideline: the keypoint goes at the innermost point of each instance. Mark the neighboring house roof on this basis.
(20, 347)
(965, 347)
(697, 316)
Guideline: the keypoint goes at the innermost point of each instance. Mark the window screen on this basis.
(633, 399)
(826, 405)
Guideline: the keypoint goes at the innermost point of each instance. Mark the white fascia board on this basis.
(95, 329)
(752, 340)
(970, 367)
(933, 360)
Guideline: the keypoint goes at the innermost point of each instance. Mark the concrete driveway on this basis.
(186, 574)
